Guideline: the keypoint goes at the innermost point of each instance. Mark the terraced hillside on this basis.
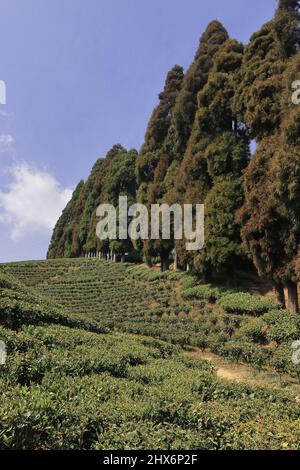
(171, 306)
(76, 377)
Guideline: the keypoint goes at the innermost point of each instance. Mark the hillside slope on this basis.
(70, 383)
(170, 306)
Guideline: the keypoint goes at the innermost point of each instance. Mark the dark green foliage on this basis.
(182, 118)
(206, 292)
(292, 5)
(258, 95)
(75, 232)
(69, 388)
(157, 131)
(216, 154)
(60, 245)
(194, 80)
(186, 105)
(243, 303)
(223, 246)
(270, 215)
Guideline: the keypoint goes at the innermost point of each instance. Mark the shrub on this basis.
(214, 421)
(201, 341)
(205, 292)
(147, 435)
(282, 326)
(282, 361)
(254, 330)
(240, 350)
(263, 434)
(244, 303)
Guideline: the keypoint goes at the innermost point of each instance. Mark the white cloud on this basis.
(6, 142)
(33, 201)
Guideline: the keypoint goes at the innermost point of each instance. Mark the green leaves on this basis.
(64, 387)
(244, 303)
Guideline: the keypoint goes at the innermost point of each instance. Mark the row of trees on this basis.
(197, 150)
(75, 232)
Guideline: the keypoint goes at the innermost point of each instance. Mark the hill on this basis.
(77, 378)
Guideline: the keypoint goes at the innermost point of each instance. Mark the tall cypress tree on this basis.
(85, 208)
(117, 177)
(120, 181)
(269, 217)
(186, 106)
(181, 126)
(75, 231)
(258, 96)
(61, 241)
(157, 131)
(195, 78)
(150, 153)
(216, 154)
(292, 5)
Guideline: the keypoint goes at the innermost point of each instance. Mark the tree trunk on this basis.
(165, 263)
(149, 261)
(279, 291)
(175, 261)
(293, 303)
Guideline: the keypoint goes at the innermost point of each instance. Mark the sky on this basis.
(77, 77)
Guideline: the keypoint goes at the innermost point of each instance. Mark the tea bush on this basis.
(77, 375)
(282, 326)
(245, 304)
(255, 331)
(205, 292)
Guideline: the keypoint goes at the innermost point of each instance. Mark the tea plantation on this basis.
(94, 361)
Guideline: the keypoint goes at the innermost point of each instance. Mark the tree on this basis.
(270, 230)
(291, 5)
(150, 153)
(181, 126)
(186, 106)
(120, 181)
(270, 214)
(223, 251)
(60, 242)
(195, 78)
(286, 171)
(216, 154)
(85, 207)
(258, 96)
(75, 232)
(157, 131)
(117, 178)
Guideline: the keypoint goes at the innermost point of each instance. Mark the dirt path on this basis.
(242, 373)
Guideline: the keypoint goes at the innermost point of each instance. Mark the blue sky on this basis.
(82, 75)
